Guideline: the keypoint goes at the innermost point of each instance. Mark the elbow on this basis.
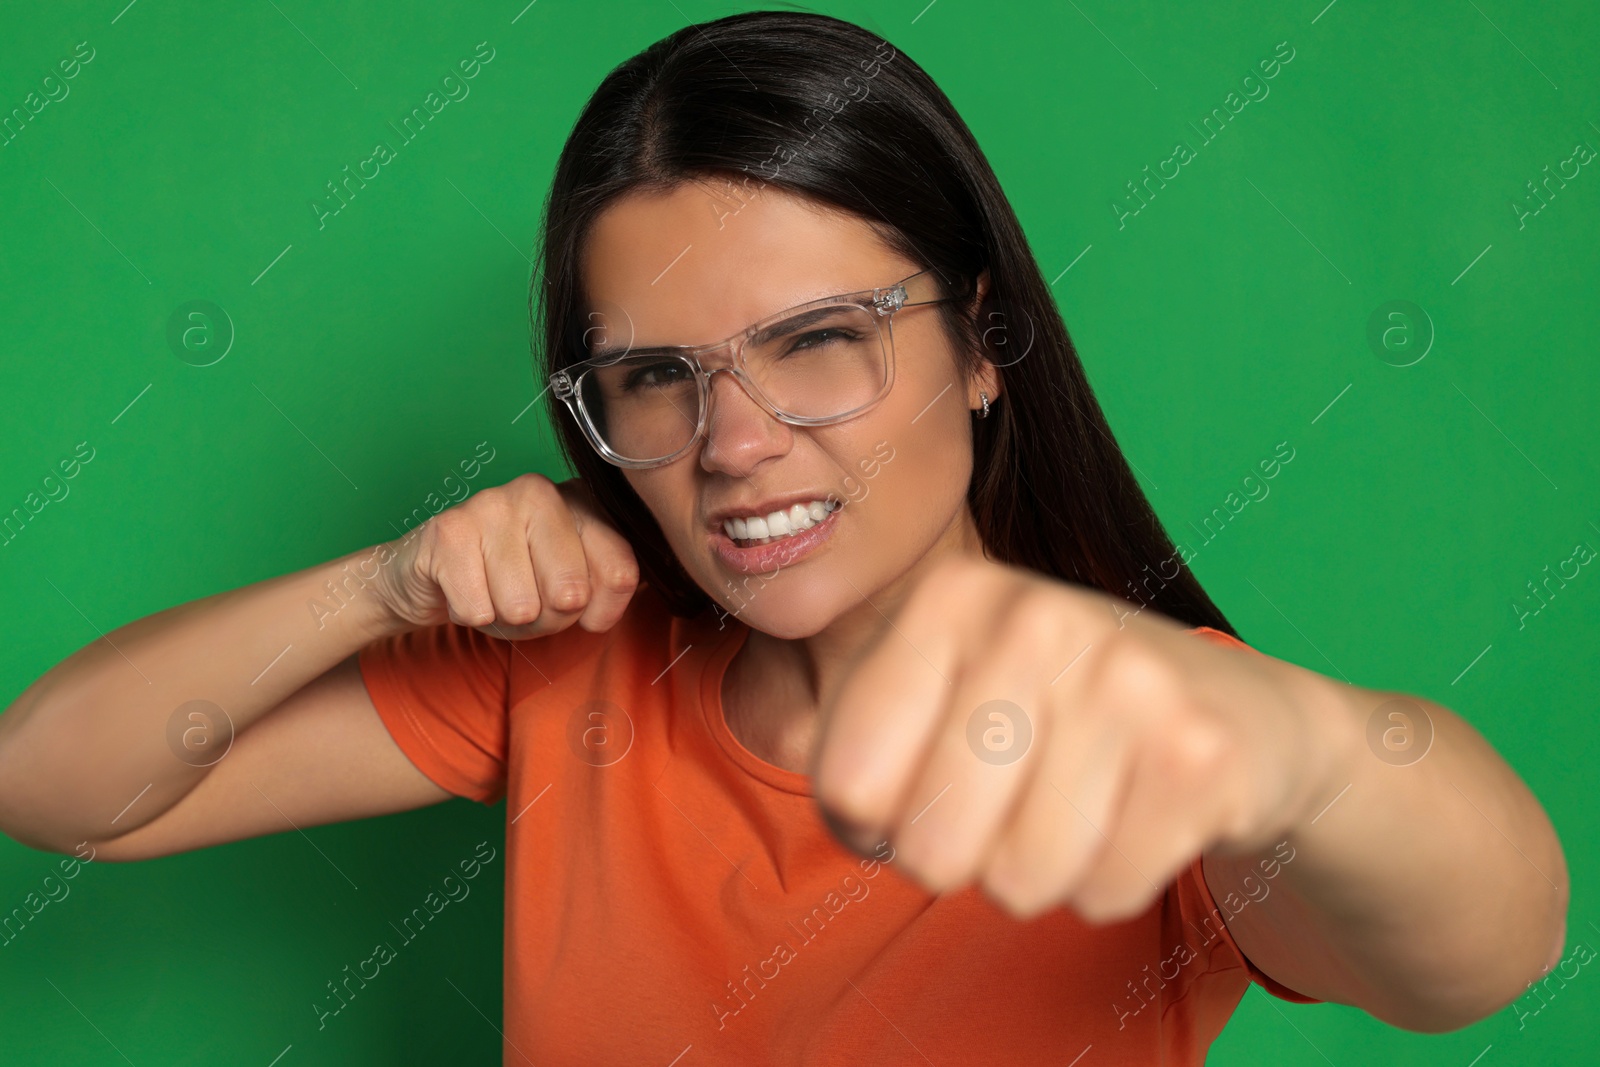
(18, 817)
(15, 814)
(1538, 964)
(1541, 965)
(1524, 973)
(15, 824)
(31, 812)
(27, 821)
(22, 823)
(21, 814)
(24, 833)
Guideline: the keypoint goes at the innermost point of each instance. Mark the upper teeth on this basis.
(796, 518)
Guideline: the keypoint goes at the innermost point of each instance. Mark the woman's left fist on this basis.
(1064, 747)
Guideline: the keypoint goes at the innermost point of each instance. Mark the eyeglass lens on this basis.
(818, 364)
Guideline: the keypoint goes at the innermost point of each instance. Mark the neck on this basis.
(776, 687)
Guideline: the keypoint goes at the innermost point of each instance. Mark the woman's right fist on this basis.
(522, 559)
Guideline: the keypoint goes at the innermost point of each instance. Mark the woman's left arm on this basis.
(1427, 886)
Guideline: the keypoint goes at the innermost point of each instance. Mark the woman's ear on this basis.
(986, 379)
(982, 286)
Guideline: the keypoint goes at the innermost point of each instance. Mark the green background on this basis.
(372, 354)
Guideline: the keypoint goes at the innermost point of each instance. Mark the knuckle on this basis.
(441, 525)
(489, 510)
(568, 594)
(1137, 672)
(1177, 851)
(1093, 903)
(1108, 907)
(520, 611)
(452, 530)
(937, 868)
(620, 575)
(1026, 905)
(1032, 627)
(532, 479)
(535, 486)
(462, 586)
(1189, 750)
(468, 614)
(469, 607)
(1020, 894)
(857, 801)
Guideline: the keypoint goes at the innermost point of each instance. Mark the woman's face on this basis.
(687, 268)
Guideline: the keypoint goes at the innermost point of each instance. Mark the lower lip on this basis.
(783, 552)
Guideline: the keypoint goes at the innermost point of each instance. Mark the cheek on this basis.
(669, 501)
(912, 478)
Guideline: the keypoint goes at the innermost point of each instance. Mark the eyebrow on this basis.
(793, 322)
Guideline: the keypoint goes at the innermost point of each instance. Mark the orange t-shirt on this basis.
(672, 898)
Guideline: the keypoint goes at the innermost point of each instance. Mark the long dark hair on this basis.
(827, 110)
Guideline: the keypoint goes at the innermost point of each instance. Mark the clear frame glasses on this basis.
(817, 363)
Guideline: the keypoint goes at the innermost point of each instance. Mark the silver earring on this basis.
(984, 414)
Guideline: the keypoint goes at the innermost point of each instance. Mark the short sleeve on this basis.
(442, 693)
(1195, 898)
(1221, 638)
(1204, 917)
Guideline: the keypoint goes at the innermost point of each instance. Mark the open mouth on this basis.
(767, 552)
(777, 526)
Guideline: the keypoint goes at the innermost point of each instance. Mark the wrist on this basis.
(353, 593)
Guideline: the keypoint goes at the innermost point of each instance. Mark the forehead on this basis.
(705, 259)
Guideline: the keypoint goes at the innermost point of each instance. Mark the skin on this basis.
(1428, 894)
(807, 621)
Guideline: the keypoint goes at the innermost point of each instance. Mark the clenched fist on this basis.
(518, 560)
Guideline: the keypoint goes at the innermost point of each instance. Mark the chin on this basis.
(789, 606)
(787, 629)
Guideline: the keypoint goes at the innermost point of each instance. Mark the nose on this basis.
(739, 432)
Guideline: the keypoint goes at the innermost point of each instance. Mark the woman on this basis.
(887, 582)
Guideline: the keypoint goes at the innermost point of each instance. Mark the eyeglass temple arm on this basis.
(887, 301)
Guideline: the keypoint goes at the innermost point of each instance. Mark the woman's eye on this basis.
(655, 375)
(818, 338)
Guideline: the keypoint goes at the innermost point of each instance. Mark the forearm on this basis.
(1427, 891)
(98, 746)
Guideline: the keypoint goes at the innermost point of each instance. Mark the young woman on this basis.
(887, 583)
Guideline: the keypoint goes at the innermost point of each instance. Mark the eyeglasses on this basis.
(817, 363)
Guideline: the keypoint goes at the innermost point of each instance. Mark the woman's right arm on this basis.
(101, 750)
